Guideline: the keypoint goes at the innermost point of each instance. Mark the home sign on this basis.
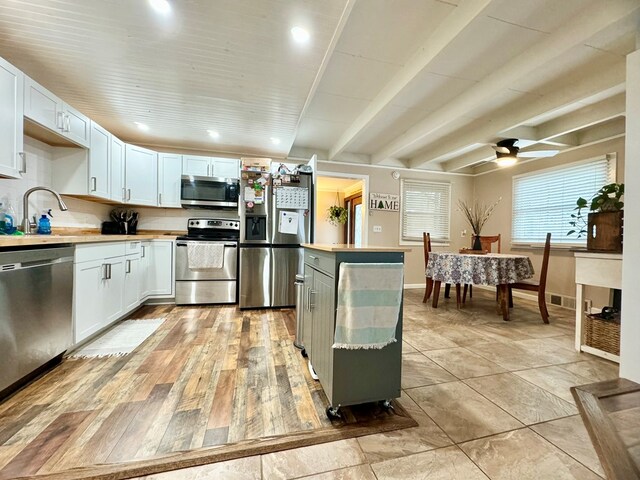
(384, 201)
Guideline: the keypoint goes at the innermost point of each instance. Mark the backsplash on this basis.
(83, 213)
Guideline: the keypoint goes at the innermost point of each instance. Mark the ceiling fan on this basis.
(507, 152)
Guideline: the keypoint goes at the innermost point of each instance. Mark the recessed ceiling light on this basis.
(163, 7)
(142, 126)
(300, 35)
(275, 141)
(213, 134)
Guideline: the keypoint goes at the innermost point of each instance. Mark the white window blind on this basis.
(544, 201)
(425, 208)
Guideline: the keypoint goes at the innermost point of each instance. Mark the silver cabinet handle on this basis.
(208, 168)
(108, 271)
(307, 302)
(159, 199)
(60, 121)
(128, 194)
(94, 184)
(105, 271)
(311, 304)
(144, 251)
(23, 157)
(65, 123)
(128, 267)
(124, 194)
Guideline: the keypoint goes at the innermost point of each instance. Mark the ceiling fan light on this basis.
(506, 161)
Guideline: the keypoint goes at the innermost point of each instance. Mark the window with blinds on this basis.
(544, 201)
(425, 207)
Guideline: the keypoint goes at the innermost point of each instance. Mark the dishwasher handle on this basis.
(185, 243)
(10, 267)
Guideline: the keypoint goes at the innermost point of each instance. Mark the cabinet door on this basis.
(42, 106)
(145, 283)
(76, 126)
(141, 175)
(99, 160)
(113, 305)
(116, 177)
(197, 166)
(160, 267)
(225, 167)
(322, 305)
(169, 173)
(90, 284)
(307, 313)
(132, 282)
(11, 104)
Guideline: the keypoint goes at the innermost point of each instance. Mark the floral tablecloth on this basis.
(490, 269)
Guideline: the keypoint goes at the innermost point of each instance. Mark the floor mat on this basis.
(122, 339)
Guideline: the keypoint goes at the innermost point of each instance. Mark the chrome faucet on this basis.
(27, 225)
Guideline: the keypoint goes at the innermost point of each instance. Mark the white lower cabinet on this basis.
(113, 279)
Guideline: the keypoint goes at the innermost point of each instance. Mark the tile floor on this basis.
(491, 398)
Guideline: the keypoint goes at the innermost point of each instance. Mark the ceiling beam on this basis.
(447, 31)
(585, 25)
(590, 115)
(565, 140)
(611, 79)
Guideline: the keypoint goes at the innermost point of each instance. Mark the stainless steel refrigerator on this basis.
(271, 234)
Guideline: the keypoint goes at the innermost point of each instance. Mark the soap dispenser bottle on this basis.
(44, 225)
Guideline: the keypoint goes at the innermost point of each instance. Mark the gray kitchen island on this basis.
(348, 376)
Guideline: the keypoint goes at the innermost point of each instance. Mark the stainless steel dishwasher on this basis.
(36, 320)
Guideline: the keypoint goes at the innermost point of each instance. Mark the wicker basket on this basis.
(602, 334)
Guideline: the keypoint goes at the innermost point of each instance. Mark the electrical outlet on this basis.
(463, 233)
(377, 229)
(588, 305)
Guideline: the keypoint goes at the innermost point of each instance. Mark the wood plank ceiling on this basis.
(425, 84)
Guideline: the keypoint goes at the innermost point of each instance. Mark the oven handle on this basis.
(183, 243)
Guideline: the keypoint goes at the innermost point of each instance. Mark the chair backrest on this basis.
(487, 241)
(545, 262)
(426, 241)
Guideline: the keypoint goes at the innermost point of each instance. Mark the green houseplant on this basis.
(337, 215)
(602, 224)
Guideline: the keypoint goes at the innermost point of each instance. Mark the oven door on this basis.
(208, 191)
(227, 272)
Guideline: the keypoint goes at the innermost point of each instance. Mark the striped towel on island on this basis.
(369, 297)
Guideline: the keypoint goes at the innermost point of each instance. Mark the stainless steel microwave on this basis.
(211, 192)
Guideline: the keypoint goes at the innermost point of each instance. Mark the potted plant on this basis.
(337, 215)
(603, 223)
(476, 214)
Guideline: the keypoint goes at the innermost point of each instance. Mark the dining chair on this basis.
(426, 244)
(487, 242)
(539, 286)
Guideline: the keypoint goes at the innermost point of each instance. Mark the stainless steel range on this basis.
(215, 283)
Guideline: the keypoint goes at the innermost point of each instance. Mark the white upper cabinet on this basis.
(225, 167)
(99, 162)
(197, 166)
(46, 109)
(117, 170)
(141, 176)
(210, 166)
(12, 159)
(169, 173)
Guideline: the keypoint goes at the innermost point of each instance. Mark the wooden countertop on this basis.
(326, 247)
(27, 240)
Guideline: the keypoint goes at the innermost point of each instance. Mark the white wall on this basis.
(630, 333)
(326, 232)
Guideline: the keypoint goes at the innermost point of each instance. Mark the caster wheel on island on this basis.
(388, 406)
(303, 352)
(334, 413)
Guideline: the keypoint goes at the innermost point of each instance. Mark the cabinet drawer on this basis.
(321, 261)
(88, 253)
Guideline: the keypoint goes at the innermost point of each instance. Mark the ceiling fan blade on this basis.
(500, 149)
(538, 153)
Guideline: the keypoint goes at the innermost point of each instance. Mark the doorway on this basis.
(346, 191)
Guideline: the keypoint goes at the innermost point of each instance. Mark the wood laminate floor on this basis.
(208, 376)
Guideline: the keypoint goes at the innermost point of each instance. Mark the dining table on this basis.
(498, 269)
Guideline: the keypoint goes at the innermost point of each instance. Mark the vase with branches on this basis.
(476, 214)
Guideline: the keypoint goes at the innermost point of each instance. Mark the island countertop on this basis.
(342, 247)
